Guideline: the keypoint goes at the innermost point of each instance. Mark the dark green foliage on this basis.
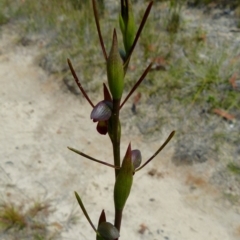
(78, 4)
(234, 168)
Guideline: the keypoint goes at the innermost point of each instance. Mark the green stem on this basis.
(118, 219)
(116, 134)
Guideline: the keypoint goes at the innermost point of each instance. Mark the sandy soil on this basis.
(39, 120)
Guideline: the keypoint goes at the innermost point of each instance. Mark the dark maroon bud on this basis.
(102, 127)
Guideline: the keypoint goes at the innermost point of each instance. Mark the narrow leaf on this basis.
(158, 151)
(98, 29)
(138, 33)
(84, 211)
(78, 82)
(91, 158)
(137, 84)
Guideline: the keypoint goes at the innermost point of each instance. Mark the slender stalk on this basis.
(116, 134)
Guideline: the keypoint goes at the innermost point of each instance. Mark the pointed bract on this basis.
(124, 181)
(102, 217)
(115, 71)
(107, 96)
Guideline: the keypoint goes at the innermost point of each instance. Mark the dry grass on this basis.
(20, 220)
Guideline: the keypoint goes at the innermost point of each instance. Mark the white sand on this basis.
(39, 121)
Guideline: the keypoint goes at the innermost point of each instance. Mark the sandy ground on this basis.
(39, 120)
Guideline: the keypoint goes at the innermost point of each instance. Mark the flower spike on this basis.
(106, 114)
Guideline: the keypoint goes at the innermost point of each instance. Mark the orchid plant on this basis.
(106, 114)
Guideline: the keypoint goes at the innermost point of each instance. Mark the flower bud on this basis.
(107, 231)
(124, 181)
(102, 111)
(115, 71)
(136, 158)
(127, 24)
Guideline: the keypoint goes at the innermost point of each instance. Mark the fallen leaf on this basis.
(232, 80)
(224, 114)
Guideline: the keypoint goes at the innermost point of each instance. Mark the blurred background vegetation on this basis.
(194, 86)
(69, 30)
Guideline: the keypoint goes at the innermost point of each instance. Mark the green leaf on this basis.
(84, 211)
